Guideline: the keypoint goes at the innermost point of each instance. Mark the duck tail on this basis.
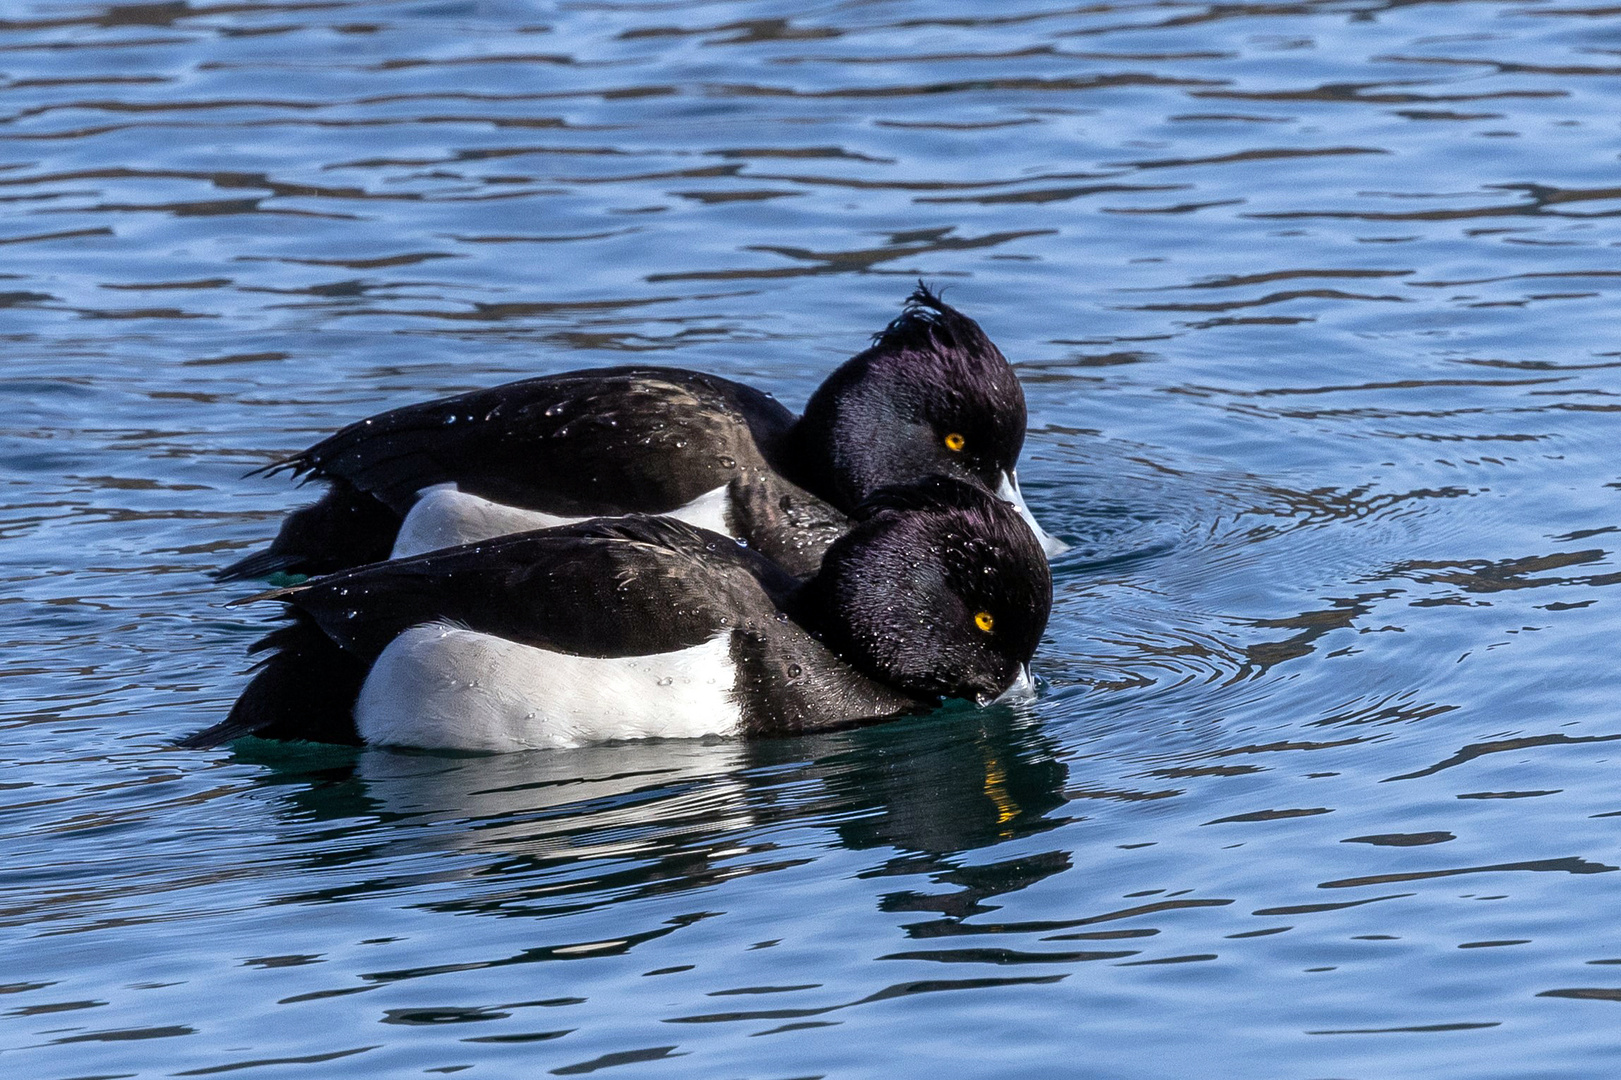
(305, 689)
(346, 527)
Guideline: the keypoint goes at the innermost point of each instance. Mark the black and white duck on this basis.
(933, 395)
(639, 626)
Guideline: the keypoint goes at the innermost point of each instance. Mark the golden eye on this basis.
(955, 442)
(984, 621)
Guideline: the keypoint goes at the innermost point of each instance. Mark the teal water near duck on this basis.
(1314, 309)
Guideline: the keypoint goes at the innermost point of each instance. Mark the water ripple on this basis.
(1310, 302)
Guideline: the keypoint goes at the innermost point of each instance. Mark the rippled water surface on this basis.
(1315, 307)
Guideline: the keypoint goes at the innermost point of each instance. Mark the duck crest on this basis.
(928, 324)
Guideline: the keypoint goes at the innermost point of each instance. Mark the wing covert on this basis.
(612, 441)
(618, 587)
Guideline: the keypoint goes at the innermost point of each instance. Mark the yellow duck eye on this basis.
(955, 442)
(984, 621)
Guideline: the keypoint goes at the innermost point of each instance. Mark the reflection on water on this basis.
(655, 816)
(1313, 305)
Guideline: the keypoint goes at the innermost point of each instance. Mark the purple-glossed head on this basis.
(932, 396)
(940, 590)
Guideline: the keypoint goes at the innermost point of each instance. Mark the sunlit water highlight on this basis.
(1314, 305)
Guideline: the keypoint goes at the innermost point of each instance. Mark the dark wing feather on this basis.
(613, 587)
(343, 528)
(304, 689)
(595, 442)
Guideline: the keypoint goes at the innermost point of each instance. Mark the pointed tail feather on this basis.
(305, 689)
(345, 528)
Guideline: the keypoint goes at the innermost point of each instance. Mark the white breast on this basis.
(444, 516)
(441, 687)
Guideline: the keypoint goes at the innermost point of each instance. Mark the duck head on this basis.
(940, 590)
(932, 396)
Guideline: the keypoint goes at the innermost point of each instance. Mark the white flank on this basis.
(444, 516)
(712, 510)
(441, 687)
(1009, 493)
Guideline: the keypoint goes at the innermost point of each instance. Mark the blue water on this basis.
(1314, 304)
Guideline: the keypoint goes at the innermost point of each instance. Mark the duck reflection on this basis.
(550, 831)
(934, 796)
(938, 787)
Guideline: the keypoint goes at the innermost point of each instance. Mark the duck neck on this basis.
(810, 456)
(810, 605)
(818, 607)
(838, 444)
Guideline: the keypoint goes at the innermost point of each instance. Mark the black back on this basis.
(610, 441)
(607, 587)
(581, 443)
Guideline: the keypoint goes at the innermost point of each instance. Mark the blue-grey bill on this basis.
(1023, 689)
(1009, 492)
